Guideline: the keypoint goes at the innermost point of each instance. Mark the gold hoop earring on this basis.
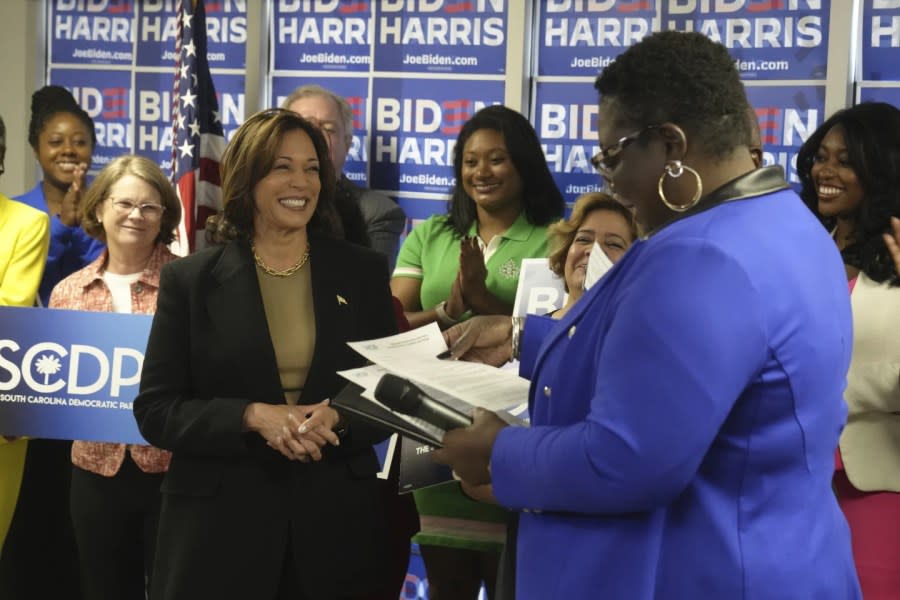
(675, 169)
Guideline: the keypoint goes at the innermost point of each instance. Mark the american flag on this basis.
(198, 140)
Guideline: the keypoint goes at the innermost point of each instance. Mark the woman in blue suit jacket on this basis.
(271, 493)
(685, 412)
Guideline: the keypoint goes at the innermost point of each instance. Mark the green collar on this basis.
(519, 231)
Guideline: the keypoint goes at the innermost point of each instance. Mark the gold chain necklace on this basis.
(274, 272)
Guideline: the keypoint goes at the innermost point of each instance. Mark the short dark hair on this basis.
(249, 157)
(50, 101)
(541, 201)
(682, 78)
(872, 137)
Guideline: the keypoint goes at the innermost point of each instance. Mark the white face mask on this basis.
(598, 265)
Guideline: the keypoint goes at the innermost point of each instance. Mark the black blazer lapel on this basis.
(238, 317)
(333, 308)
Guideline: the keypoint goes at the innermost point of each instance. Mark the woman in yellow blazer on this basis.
(24, 241)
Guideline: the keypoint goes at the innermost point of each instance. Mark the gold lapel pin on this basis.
(341, 299)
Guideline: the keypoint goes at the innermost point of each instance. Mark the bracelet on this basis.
(443, 318)
(518, 324)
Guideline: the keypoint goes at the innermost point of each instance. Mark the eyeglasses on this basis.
(149, 210)
(604, 161)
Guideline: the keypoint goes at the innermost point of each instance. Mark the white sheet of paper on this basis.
(598, 265)
(413, 355)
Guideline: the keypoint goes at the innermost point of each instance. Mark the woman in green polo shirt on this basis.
(463, 263)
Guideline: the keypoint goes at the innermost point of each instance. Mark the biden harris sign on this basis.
(69, 374)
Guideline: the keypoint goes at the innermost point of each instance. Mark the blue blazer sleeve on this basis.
(536, 329)
(686, 339)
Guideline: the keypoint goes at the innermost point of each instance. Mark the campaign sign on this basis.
(441, 36)
(153, 112)
(153, 117)
(106, 97)
(787, 115)
(565, 117)
(540, 290)
(419, 209)
(313, 35)
(232, 101)
(580, 37)
(226, 33)
(769, 39)
(356, 91)
(891, 95)
(70, 375)
(416, 122)
(91, 31)
(881, 40)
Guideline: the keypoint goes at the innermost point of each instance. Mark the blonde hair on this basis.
(561, 234)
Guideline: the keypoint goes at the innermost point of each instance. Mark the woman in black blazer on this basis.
(271, 493)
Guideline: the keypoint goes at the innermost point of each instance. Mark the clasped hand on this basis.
(297, 432)
(70, 211)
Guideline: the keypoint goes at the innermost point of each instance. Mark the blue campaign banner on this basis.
(319, 35)
(891, 95)
(441, 36)
(880, 40)
(226, 33)
(416, 122)
(70, 375)
(91, 32)
(232, 101)
(578, 37)
(153, 112)
(106, 97)
(356, 91)
(769, 39)
(419, 209)
(153, 117)
(787, 116)
(565, 117)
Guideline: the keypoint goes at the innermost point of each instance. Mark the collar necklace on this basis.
(284, 272)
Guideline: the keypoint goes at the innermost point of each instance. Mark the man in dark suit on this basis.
(384, 219)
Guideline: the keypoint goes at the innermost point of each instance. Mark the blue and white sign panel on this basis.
(565, 117)
(441, 36)
(416, 122)
(70, 375)
(787, 116)
(226, 33)
(881, 40)
(321, 35)
(891, 95)
(153, 117)
(580, 37)
(356, 91)
(769, 39)
(106, 97)
(91, 32)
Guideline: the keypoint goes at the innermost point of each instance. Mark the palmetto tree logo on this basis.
(47, 365)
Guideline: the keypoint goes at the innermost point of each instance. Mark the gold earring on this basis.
(675, 169)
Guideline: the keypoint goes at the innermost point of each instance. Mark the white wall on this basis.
(22, 59)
